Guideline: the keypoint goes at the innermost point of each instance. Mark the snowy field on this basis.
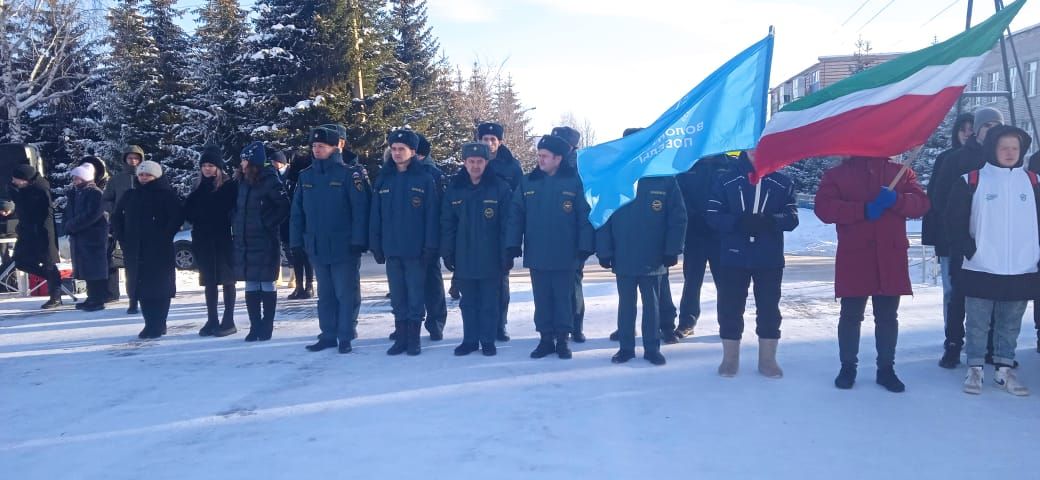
(83, 398)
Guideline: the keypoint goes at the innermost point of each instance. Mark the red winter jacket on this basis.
(872, 256)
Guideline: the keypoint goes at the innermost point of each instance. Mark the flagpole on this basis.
(906, 166)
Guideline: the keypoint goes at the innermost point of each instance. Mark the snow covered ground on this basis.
(81, 397)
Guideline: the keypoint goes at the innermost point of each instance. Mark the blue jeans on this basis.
(1007, 323)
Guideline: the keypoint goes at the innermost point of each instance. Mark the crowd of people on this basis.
(322, 212)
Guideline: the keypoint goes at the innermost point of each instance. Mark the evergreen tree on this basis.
(511, 113)
(221, 75)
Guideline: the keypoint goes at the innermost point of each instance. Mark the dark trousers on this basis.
(886, 328)
(229, 303)
(665, 305)
(648, 287)
(407, 278)
(302, 270)
(339, 298)
(49, 273)
(480, 305)
(97, 291)
(955, 310)
(155, 311)
(579, 299)
(732, 284)
(699, 252)
(436, 306)
(504, 305)
(553, 292)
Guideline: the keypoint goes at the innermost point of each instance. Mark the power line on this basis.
(856, 12)
(930, 20)
(889, 4)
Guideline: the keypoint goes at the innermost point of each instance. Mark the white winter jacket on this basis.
(1004, 222)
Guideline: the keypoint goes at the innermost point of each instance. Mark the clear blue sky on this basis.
(620, 63)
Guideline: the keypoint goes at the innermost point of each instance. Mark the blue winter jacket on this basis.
(640, 234)
(550, 218)
(330, 210)
(473, 225)
(405, 212)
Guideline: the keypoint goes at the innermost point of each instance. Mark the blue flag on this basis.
(726, 112)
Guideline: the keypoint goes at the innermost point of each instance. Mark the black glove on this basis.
(969, 249)
(380, 259)
(513, 252)
(606, 262)
(357, 249)
(429, 255)
(747, 224)
(670, 260)
(507, 263)
(449, 263)
(584, 255)
(298, 252)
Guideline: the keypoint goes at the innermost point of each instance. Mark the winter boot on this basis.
(1006, 380)
(546, 346)
(613, 336)
(436, 334)
(253, 301)
(320, 345)
(951, 357)
(767, 365)
(668, 337)
(54, 302)
(227, 326)
(973, 380)
(623, 356)
(654, 357)
(488, 349)
(466, 349)
(503, 335)
(846, 377)
(730, 358)
(132, 309)
(578, 337)
(296, 294)
(886, 377)
(209, 328)
(414, 343)
(344, 347)
(308, 292)
(684, 331)
(562, 350)
(400, 342)
(270, 303)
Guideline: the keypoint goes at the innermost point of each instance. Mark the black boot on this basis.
(227, 325)
(502, 336)
(886, 377)
(951, 357)
(623, 356)
(210, 328)
(269, 301)
(545, 347)
(562, 350)
(654, 357)
(466, 349)
(668, 337)
(308, 292)
(400, 343)
(488, 349)
(414, 342)
(846, 377)
(255, 322)
(436, 334)
(321, 345)
(295, 295)
(614, 336)
(52, 303)
(132, 309)
(393, 334)
(578, 337)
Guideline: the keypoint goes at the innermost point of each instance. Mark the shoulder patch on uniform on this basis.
(528, 193)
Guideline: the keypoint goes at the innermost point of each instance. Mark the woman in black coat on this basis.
(36, 250)
(261, 208)
(209, 208)
(87, 226)
(145, 221)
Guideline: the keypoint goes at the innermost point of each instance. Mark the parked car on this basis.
(184, 258)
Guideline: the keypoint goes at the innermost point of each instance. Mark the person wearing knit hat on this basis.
(507, 167)
(986, 117)
(87, 225)
(145, 222)
(262, 206)
(121, 181)
(573, 137)
(549, 225)
(35, 250)
(403, 234)
(209, 208)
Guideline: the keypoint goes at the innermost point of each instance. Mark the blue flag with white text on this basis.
(726, 112)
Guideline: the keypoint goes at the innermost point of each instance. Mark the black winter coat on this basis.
(87, 226)
(949, 167)
(36, 245)
(209, 211)
(696, 185)
(259, 213)
(145, 222)
(507, 167)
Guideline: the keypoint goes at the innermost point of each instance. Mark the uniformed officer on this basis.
(436, 306)
(550, 219)
(403, 234)
(474, 215)
(639, 242)
(507, 167)
(573, 138)
(329, 222)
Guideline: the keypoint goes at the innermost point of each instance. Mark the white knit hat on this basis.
(85, 172)
(151, 168)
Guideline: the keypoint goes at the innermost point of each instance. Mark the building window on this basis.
(1013, 82)
(976, 87)
(797, 88)
(1031, 79)
(814, 81)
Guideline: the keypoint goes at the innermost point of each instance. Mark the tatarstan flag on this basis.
(884, 110)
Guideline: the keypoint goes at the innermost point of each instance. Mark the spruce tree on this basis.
(221, 75)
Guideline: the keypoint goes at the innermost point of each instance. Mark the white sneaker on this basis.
(973, 381)
(1006, 380)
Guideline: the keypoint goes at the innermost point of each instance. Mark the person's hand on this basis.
(449, 263)
(883, 201)
(508, 263)
(670, 260)
(357, 249)
(584, 255)
(378, 256)
(606, 262)
(747, 224)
